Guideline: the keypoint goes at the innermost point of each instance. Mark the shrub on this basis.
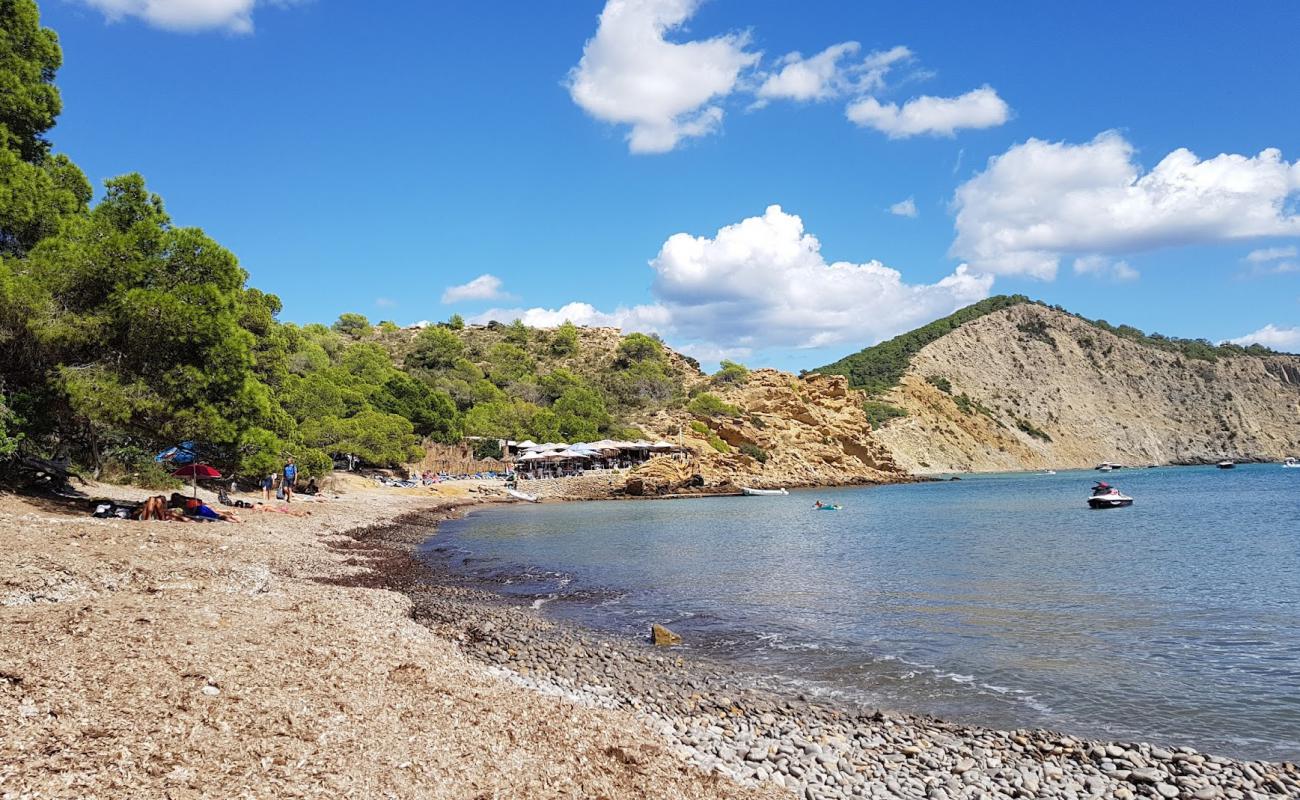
(730, 373)
(354, 325)
(941, 383)
(485, 449)
(565, 340)
(699, 427)
(878, 412)
(1028, 427)
(707, 404)
(754, 451)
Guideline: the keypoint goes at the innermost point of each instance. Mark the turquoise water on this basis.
(1000, 600)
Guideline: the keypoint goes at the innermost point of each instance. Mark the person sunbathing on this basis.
(196, 508)
(152, 508)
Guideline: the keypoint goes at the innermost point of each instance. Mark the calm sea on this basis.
(1000, 600)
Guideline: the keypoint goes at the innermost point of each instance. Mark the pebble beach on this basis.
(731, 724)
(321, 656)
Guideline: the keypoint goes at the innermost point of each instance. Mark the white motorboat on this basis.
(763, 492)
(1226, 463)
(1291, 463)
(525, 496)
(1050, 472)
(1106, 496)
(1105, 468)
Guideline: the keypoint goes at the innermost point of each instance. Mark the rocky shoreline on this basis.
(727, 724)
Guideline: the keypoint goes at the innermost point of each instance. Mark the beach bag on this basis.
(279, 493)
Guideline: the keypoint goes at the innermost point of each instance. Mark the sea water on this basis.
(1000, 600)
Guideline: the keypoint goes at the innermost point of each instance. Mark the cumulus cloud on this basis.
(827, 76)
(1285, 339)
(235, 16)
(763, 282)
(934, 116)
(631, 74)
(1102, 267)
(817, 78)
(904, 208)
(1042, 200)
(484, 287)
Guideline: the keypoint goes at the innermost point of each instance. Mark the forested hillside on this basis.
(122, 332)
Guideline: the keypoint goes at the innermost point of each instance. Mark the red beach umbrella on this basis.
(196, 471)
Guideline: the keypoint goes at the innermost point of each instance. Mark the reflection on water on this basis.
(1001, 600)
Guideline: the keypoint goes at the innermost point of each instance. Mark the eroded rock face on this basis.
(1035, 388)
(812, 431)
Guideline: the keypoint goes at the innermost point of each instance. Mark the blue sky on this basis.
(370, 157)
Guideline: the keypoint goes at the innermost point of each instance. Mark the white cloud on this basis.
(235, 16)
(1285, 339)
(825, 76)
(763, 282)
(644, 318)
(904, 208)
(815, 78)
(1042, 200)
(1102, 267)
(1272, 261)
(385, 302)
(935, 116)
(484, 287)
(630, 74)
(1270, 254)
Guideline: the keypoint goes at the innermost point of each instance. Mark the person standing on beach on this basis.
(290, 475)
(268, 485)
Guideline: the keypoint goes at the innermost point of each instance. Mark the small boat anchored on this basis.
(1226, 463)
(763, 492)
(1291, 463)
(525, 496)
(1106, 496)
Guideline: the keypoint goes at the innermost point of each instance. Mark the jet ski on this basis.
(1106, 496)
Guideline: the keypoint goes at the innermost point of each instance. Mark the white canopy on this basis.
(662, 445)
(526, 444)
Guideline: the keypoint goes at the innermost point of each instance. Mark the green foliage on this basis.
(1037, 328)
(517, 333)
(435, 349)
(878, 412)
(880, 368)
(707, 404)
(509, 363)
(1194, 349)
(387, 326)
(1029, 428)
(941, 383)
(456, 322)
(636, 348)
(730, 372)
(754, 451)
(354, 325)
(712, 438)
(564, 342)
(9, 435)
(970, 406)
(485, 449)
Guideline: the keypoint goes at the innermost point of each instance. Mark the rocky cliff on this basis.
(1030, 387)
(784, 431)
